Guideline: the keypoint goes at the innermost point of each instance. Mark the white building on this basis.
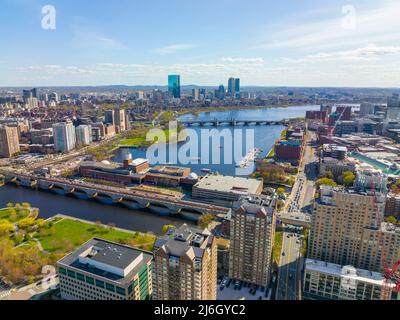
(83, 135)
(64, 137)
(331, 281)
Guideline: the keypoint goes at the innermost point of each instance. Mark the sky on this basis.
(265, 43)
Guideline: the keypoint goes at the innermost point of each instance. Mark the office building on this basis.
(252, 233)
(196, 94)
(224, 190)
(329, 281)
(393, 107)
(220, 93)
(185, 265)
(234, 87)
(120, 119)
(174, 86)
(109, 117)
(83, 135)
(103, 270)
(64, 137)
(9, 141)
(367, 109)
(28, 94)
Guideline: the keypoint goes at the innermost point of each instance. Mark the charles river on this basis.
(265, 136)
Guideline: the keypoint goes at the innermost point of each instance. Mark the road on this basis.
(299, 201)
(290, 266)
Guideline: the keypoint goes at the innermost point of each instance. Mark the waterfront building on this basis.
(185, 265)
(166, 176)
(225, 190)
(83, 135)
(104, 270)
(64, 137)
(289, 150)
(9, 141)
(174, 86)
(329, 281)
(252, 233)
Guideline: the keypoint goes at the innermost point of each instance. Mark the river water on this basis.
(229, 146)
(143, 221)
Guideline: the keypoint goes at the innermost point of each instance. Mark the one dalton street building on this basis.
(185, 265)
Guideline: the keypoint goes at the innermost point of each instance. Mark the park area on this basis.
(28, 243)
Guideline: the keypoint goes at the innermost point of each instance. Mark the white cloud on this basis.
(243, 60)
(173, 48)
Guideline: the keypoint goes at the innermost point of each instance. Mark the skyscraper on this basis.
(9, 141)
(174, 86)
(27, 94)
(83, 135)
(64, 137)
(109, 116)
(234, 87)
(185, 265)
(252, 232)
(120, 119)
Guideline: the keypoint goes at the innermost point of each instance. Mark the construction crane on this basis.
(391, 274)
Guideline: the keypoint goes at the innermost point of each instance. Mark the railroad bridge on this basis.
(131, 199)
(231, 122)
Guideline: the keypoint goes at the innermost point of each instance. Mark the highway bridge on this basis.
(231, 122)
(132, 199)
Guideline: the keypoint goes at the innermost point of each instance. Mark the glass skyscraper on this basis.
(174, 85)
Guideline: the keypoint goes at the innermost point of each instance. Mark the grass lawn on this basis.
(277, 246)
(140, 139)
(13, 214)
(67, 234)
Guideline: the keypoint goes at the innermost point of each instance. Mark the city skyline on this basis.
(265, 44)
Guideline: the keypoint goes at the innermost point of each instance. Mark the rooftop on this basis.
(238, 185)
(107, 259)
(345, 271)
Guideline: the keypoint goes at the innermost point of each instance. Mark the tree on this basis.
(6, 227)
(26, 224)
(167, 227)
(391, 219)
(348, 178)
(280, 190)
(205, 220)
(325, 181)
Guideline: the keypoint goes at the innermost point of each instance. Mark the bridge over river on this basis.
(232, 122)
(133, 199)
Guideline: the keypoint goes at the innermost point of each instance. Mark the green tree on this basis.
(280, 190)
(6, 227)
(391, 219)
(205, 220)
(325, 181)
(348, 178)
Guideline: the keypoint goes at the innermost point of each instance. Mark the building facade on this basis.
(330, 281)
(9, 141)
(251, 241)
(174, 86)
(103, 270)
(64, 137)
(83, 135)
(185, 265)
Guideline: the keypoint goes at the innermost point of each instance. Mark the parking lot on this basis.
(230, 291)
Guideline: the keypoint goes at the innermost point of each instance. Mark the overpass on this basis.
(231, 122)
(298, 219)
(132, 199)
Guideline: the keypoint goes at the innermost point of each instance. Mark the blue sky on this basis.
(271, 43)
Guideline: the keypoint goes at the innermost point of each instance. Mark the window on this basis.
(71, 274)
(62, 270)
(121, 291)
(80, 277)
(110, 287)
(89, 280)
(99, 284)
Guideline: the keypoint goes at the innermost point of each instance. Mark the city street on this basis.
(290, 265)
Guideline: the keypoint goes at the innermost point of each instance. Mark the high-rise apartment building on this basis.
(120, 119)
(347, 224)
(83, 135)
(64, 137)
(252, 232)
(185, 265)
(9, 141)
(104, 270)
(174, 86)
